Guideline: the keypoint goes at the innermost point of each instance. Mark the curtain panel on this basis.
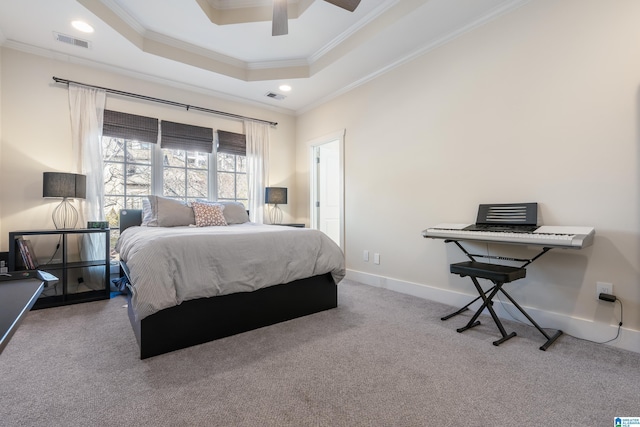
(257, 167)
(86, 107)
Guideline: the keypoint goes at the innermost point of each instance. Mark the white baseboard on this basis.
(629, 339)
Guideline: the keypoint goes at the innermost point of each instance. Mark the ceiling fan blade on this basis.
(280, 22)
(349, 5)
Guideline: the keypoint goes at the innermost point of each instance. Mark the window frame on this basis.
(167, 135)
(235, 173)
(125, 164)
(157, 174)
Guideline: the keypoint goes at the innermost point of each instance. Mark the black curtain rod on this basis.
(164, 101)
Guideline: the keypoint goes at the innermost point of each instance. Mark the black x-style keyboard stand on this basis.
(498, 275)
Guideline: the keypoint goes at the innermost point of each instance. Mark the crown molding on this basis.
(367, 20)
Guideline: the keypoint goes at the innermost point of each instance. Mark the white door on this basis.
(327, 191)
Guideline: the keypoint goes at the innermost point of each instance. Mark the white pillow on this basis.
(147, 214)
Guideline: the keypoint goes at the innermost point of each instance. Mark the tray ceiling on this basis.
(225, 47)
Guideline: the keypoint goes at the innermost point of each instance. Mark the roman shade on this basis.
(232, 143)
(130, 126)
(178, 136)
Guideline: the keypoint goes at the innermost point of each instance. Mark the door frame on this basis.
(314, 184)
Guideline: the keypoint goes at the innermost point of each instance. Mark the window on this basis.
(127, 175)
(186, 152)
(127, 147)
(232, 182)
(181, 166)
(185, 174)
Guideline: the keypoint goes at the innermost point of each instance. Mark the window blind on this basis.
(130, 126)
(178, 136)
(232, 143)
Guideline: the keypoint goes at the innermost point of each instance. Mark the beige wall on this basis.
(36, 137)
(539, 105)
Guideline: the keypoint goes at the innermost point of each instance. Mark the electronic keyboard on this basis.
(569, 237)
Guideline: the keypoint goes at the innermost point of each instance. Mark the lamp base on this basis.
(275, 215)
(65, 216)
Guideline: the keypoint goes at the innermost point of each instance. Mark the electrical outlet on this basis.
(365, 256)
(376, 258)
(603, 288)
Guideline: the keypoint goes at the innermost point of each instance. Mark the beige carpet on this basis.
(379, 359)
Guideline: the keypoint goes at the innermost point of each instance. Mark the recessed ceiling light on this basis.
(285, 88)
(82, 26)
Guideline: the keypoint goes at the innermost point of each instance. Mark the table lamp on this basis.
(68, 186)
(275, 196)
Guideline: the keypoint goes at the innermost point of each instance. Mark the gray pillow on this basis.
(165, 212)
(234, 212)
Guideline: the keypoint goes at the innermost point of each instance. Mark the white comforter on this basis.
(170, 265)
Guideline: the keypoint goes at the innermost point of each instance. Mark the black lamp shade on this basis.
(276, 196)
(59, 184)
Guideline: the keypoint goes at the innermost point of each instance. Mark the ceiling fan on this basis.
(280, 23)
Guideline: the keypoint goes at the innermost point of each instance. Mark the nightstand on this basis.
(79, 258)
(292, 225)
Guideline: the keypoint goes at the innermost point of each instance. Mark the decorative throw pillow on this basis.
(234, 212)
(207, 214)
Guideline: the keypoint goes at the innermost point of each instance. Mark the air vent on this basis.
(63, 38)
(275, 96)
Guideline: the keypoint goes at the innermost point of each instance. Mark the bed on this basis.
(171, 307)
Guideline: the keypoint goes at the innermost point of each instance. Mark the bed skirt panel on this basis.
(206, 319)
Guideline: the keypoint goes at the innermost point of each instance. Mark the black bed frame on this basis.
(206, 319)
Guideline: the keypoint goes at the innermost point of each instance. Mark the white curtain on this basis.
(257, 166)
(86, 106)
(87, 109)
